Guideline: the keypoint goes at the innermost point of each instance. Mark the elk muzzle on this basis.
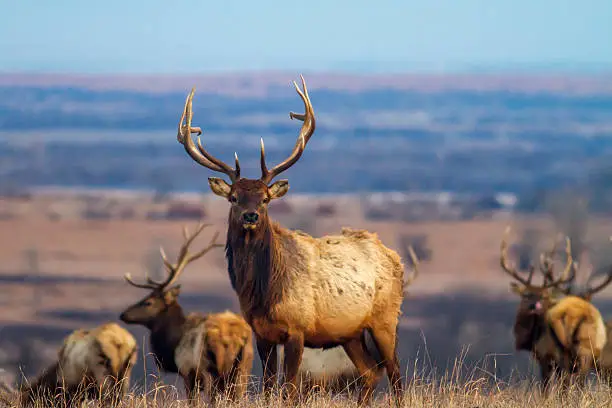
(129, 317)
(249, 220)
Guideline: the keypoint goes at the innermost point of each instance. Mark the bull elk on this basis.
(298, 290)
(92, 363)
(212, 352)
(560, 333)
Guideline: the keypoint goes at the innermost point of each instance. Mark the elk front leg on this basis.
(294, 348)
(546, 372)
(269, 361)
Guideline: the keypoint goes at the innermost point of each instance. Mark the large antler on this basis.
(199, 154)
(546, 266)
(183, 259)
(306, 132)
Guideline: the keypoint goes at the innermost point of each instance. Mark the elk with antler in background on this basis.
(604, 361)
(297, 290)
(211, 352)
(92, 363)
(565, 335)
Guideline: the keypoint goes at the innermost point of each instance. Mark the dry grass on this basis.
(457, 388)
(444, 393)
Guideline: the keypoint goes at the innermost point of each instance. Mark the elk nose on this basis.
(250, 217)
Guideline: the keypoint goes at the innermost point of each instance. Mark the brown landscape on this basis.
(60, 271)
(259, 84)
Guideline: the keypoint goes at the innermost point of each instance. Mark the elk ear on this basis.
(219, 187)
(278, 189)
(171, 294)
(516, 288)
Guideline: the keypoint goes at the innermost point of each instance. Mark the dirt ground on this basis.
(59, 275)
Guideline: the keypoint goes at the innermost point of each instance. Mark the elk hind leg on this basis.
(586, 361)
(385, 337)
(366, 365)
(192, 387)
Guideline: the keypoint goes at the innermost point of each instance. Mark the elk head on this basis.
(535, 299)
(249, 198)
(162, 295)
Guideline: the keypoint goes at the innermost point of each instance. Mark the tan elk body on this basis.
(298, 290)
(95, 363)
(604, 357)
(565, 334)
(211, 352)
(213, 343)
(331, 370)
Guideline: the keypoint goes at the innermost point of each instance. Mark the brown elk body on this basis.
(298, 290)
(563, 335)
(92, 363)
(211, 352)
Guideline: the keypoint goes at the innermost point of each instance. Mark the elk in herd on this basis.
(331, 370)
(298, 290)
(604, 361)
(564, 334)
(211, 352)
(92, 363)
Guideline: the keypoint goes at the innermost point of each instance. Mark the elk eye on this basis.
(233, 199)
(266, 200)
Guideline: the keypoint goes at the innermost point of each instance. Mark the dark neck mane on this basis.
(166, 332)
(255, 266)
(528, 329)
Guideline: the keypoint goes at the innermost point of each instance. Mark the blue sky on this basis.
(155, 36)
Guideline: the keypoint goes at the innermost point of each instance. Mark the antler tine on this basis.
(571, 265)
(184, 258)
(546, 262)
(569, 273)
(503, 260)
(148, 285)
(306, 132)
(199, 154)
(212, 244)
(415, 268)
(602, 285)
